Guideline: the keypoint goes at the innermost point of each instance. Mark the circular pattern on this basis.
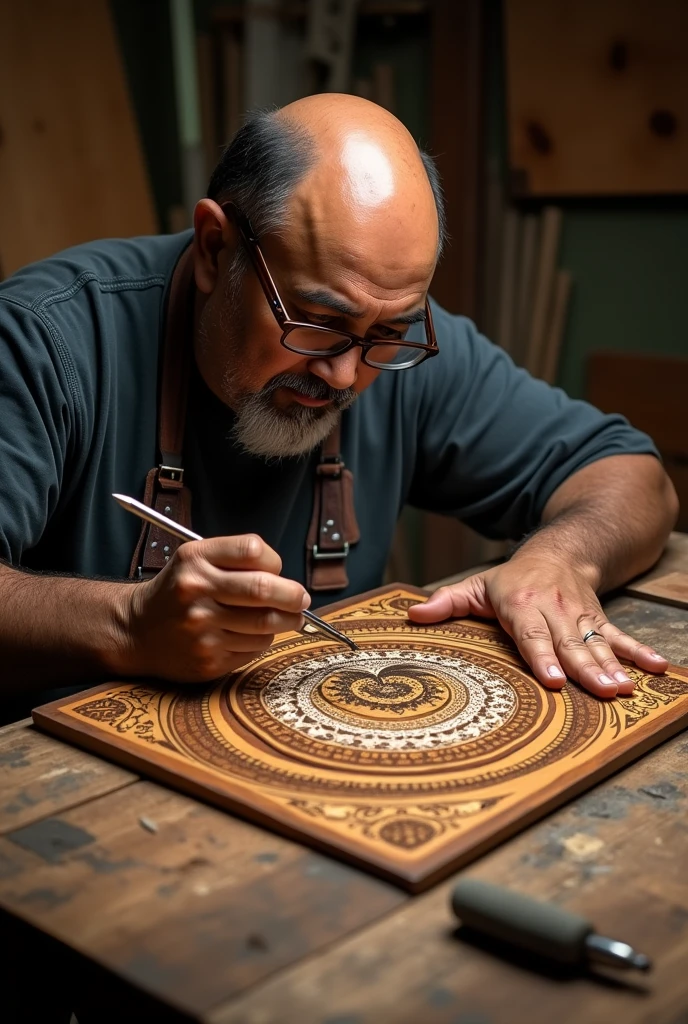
(387, 700)
(246, 728)
(408, 833)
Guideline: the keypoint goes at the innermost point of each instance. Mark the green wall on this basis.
(630, 289)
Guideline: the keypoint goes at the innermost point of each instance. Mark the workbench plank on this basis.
(181, 900)
(617, 855)
(40, 776)
(657, 625)
(200, 909)
(598, 855)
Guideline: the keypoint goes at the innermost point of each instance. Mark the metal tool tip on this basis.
(642, 962)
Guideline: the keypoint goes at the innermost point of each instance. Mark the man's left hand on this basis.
(547, 606)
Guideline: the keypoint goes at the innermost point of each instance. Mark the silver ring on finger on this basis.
(591, 633)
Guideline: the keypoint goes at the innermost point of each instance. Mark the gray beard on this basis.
(262, 429)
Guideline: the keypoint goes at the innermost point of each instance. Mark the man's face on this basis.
(286, 403)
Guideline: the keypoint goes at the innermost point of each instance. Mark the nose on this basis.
(338, 371)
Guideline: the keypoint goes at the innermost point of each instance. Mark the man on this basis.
(325, 215)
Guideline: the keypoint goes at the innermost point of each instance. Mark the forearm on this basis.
(612, 519)
(56, 630)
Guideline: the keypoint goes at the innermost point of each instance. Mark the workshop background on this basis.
(560, 130)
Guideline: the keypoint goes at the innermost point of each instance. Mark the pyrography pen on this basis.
(540, 928)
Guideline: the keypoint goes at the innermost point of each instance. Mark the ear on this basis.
(215, 242)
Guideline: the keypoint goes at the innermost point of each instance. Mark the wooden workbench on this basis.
(135, 903)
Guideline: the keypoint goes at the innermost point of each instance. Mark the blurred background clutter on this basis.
(560, 130)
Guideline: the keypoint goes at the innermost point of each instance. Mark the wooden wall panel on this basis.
(597, 96)
(71, 166)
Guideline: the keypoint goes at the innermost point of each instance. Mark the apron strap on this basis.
(165, 490)
(333, 526)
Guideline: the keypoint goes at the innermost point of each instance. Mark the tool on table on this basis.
(151, 516)
(539, 927)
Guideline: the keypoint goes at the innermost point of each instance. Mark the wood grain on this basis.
(144, 911)
(616, 855)
(455, 140)
(597, 96)
(192, 904)
(71, 165)
(409, 773)
(39, 776)
(670, 589)
(535, 354)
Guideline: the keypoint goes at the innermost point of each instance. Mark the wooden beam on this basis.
(456, 138)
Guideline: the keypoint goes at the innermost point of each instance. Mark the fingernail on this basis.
(554, 672)
(305, 602)
(621, 677)
(657, 657)
(606, 680)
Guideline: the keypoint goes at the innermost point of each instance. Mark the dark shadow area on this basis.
(549, 969)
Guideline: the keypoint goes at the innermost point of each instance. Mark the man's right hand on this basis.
(215, 606)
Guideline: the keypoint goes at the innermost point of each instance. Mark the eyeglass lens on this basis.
(382, 355)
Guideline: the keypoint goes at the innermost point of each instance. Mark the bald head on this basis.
(348, 214)
(352, 151)
(367, 184)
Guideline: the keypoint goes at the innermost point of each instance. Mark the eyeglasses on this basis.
(382, 353)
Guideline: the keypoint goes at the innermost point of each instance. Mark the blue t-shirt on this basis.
(465, 433)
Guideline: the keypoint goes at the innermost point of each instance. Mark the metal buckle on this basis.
(175, 474)
(321, 555)
(330, 467)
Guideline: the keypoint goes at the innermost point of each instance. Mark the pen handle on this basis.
(541, 928)
(152, 516)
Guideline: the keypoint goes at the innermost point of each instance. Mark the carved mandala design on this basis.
(385, 700)
(418, 744)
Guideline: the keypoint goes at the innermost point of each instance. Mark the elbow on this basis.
(671, 504)
(666, 514)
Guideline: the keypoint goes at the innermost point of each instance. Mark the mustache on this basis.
(312, 387)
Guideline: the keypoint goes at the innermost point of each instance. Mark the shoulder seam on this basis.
(60, 348)
(108, 284)
(65, 359)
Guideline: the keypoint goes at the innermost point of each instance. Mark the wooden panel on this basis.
(180, 900)
(597, 96)
(408, 757)
(42, 776)
(670, 589)
(616, 856)
(651, 392)
(456, 143)
(659, 626)
(71, 167)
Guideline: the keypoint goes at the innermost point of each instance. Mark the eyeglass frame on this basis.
(285, 322)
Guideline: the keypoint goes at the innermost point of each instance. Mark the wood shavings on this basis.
(580, 845)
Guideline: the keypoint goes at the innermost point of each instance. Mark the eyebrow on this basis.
(321, 297)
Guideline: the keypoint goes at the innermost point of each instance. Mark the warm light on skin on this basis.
(297, 267)
(362, 226)
(368, 171)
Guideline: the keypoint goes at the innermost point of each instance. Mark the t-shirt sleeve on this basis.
(494, 443)
(36, 426)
